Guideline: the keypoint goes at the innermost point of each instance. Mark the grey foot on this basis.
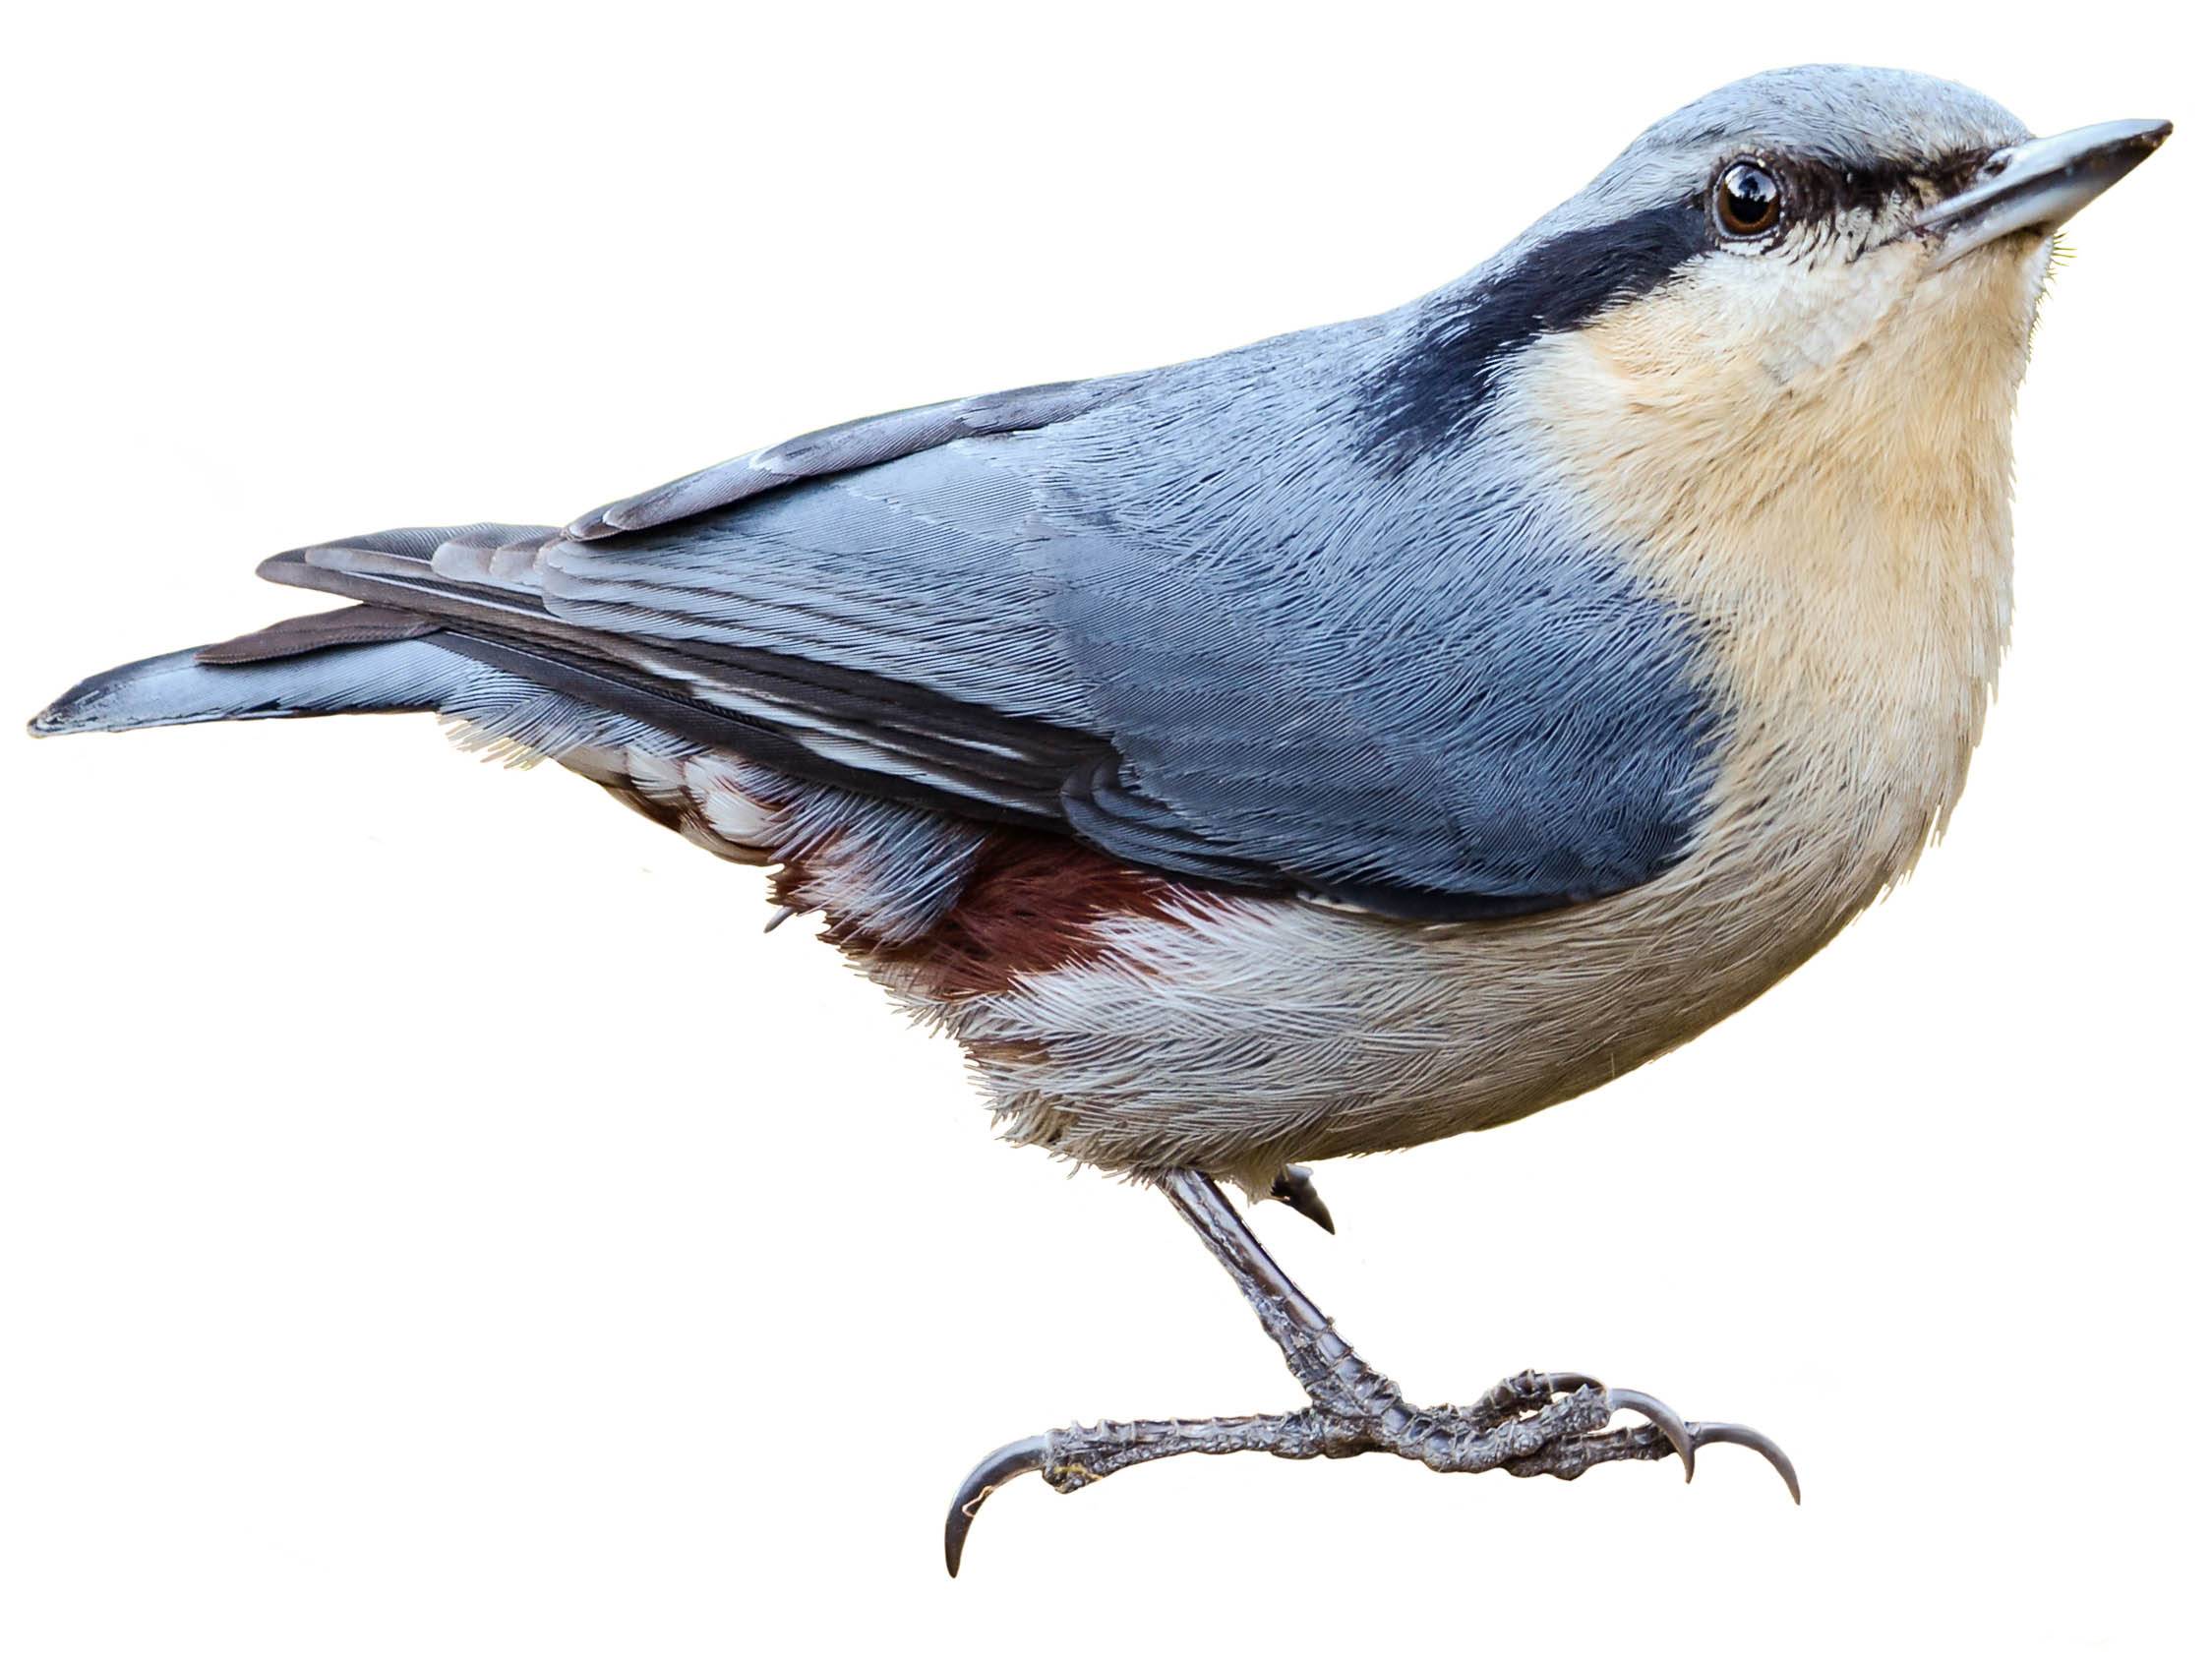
(1537, 1423)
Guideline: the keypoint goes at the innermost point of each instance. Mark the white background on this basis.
(433, 1221)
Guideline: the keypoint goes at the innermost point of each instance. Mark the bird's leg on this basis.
(1536, 1423)
(1335, 1377)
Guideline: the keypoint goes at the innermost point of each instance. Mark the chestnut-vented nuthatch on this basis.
(1377, 732)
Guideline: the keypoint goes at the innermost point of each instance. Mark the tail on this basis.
(359, 660)
(892, 872)
(366, 659)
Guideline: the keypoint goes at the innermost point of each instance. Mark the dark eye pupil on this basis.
(1749, 199)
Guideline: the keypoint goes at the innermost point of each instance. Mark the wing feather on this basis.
(844, 448)
(1179, 615)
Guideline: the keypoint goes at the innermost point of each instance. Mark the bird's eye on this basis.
(1747, 200)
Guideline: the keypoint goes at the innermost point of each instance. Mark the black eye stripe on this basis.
(1818, 189)
(1433, 388)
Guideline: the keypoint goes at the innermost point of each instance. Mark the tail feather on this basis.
(184, 689)
(359, 660)
(883, 870)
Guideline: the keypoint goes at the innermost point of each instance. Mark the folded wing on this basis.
(1172, 614)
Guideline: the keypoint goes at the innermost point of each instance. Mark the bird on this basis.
(1375, 733)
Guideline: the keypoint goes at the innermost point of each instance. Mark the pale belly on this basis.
(1236, 1035)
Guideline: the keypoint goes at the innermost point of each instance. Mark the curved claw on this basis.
(1019, 1457)
(1668, 1420)
(1736, 1434)
(1294, 1187)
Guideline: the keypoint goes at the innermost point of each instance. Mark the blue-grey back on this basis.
(1423, 689)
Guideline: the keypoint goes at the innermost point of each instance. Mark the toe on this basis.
(1668, 1421)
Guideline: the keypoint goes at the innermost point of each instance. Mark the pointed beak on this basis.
(2039, 185)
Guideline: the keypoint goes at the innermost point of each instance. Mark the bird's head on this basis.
(1832, 222)
(1826, 242)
